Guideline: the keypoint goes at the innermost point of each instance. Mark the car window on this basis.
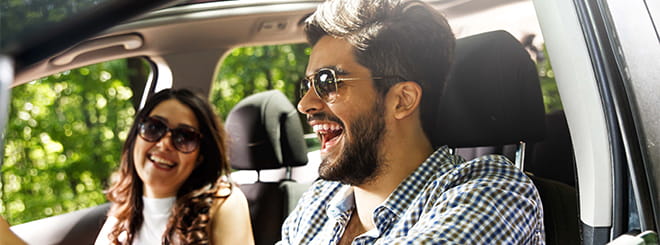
(551, 98)
(64, 138)
(249, 70)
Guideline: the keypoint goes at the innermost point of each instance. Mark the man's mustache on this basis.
(324, 117)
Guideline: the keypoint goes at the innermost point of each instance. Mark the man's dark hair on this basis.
(401, 38)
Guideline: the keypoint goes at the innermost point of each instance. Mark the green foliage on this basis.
(64, 138)
(551, 97)
(250, 70)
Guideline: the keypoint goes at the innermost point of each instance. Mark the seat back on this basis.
(493, 99)
(266, 133)
(553, 157)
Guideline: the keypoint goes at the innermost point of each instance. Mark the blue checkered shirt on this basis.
(446, 200)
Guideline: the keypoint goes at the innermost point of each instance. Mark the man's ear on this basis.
(407, 97)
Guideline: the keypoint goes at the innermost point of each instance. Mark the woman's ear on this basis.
(407, 97)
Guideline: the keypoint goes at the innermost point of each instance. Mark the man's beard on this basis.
(359, 160)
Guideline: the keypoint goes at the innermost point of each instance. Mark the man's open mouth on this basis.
(329, 133)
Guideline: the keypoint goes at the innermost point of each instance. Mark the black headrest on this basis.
(266, 133)
(492, 97)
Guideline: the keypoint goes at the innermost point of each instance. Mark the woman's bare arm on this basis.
(231, 223)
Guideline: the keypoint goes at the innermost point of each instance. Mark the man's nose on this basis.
(310, 103)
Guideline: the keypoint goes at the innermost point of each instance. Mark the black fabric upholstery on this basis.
(553, 158)
(266, 202)
(266, 133)
(492, 97)
(560, 215)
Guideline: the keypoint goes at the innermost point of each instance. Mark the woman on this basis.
(171, 186)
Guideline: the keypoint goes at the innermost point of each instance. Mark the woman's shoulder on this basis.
(231, 222)
(233, 198)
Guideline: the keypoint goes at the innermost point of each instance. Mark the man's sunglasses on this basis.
(325, 83)
(184, 138)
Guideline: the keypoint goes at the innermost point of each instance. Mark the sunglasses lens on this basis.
(152, 129)
(185, 140)
(305, 84)
(325, 85)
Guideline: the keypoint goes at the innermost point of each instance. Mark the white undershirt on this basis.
(156, 213)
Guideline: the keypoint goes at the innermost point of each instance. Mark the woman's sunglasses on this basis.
(325, 83)
(184, 138)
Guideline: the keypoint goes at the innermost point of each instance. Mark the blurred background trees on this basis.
(250, 70)
(63, 140)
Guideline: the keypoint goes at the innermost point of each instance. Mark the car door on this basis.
(605, 58)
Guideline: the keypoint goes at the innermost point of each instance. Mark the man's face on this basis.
(352, 126)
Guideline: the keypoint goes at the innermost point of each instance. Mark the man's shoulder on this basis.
(485, 172)
(492, 159)
(487, 166)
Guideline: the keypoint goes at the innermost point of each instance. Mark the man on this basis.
(382, 182)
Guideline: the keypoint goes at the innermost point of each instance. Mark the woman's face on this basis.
(162, 167)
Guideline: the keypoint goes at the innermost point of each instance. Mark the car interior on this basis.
(266, 134)
(492, 104)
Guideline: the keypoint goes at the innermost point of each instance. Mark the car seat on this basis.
(266, 133)
(493, 99)
(79, 227)
(553, 157)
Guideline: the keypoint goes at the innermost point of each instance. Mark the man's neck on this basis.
(402, 157)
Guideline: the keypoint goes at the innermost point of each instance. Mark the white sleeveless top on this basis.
(156, 213)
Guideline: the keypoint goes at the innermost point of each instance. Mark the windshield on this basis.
(21, 18)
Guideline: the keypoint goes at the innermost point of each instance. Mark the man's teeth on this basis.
(161, 161)
(320, 128)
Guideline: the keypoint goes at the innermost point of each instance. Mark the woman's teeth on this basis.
(161, 161)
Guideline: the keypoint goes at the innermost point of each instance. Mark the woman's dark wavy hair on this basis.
(189, 222)
(408, 39)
